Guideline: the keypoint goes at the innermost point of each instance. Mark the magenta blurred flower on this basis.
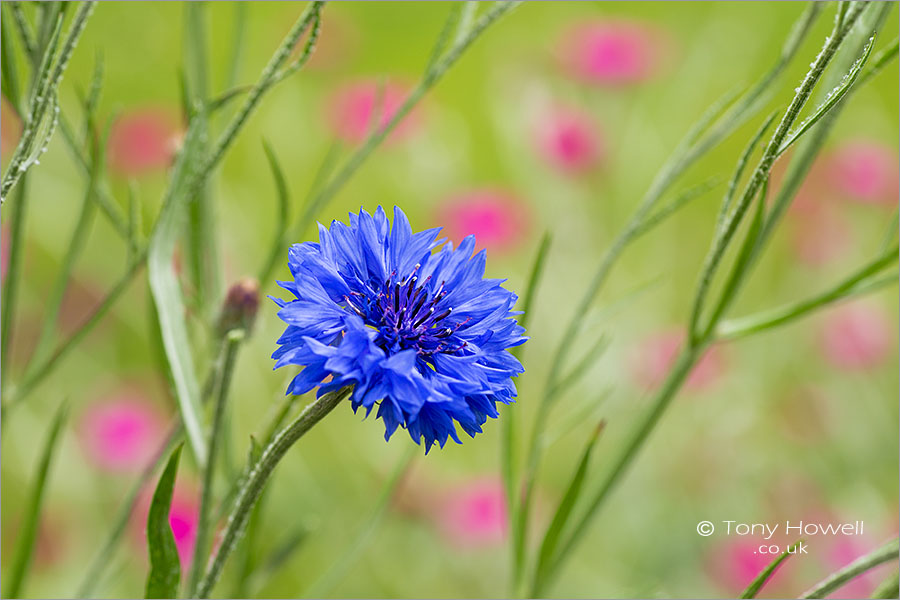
(857, 336)
(353, 105)
(655, 355)
(737, 562)
(820, 237)
(498, 220)
(473, 514)
(183, 516)
(866, 171)
(568, 139)
(142, 141)
(121, 433)
(611, 52)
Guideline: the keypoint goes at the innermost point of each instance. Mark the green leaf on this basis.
(833, 97)
(25, 540)
(9, 75)
(165, 567)
(508, 445)
(170, 302)
(753, 589)
(889, 588)
(281, 219)
(566, 504)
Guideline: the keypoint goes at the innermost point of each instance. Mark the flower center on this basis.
(407, 315)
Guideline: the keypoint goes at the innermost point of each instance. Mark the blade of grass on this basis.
(36, 134)
(760, 580)
(566, 504)
(76, 245)
(767, 319)
(258, 477)
(24, 31)
(832, 98)
(9, 73)
(281, 218)
(169, 302)
(15, 259)
(508, 439)
(201, 546)
(836, 580)
(165, 566)
(25, 540)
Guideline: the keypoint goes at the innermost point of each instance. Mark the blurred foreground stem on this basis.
(259, 476)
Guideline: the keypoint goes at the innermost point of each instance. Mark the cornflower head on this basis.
(406, 319)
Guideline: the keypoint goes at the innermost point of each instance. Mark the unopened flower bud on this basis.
(241, 304)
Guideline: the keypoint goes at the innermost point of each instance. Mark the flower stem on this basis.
(258, 477)
(229, 351)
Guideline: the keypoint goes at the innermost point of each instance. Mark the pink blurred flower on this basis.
(352, 108)
(866, 171)
(610, 52)
(183, 515)
(737, 562)
(568, 139)
(820, 238)
(655, 355)
(474, 514)
(122, 432)
(857, 336)
(143, 140)
(498, 220)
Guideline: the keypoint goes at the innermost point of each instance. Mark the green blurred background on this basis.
(780, 434)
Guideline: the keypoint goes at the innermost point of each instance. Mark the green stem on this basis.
(230, 350)
(14, 267)
(738, 328)
(258, 478)
(837, 579)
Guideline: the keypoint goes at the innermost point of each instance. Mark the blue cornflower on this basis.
(418, 332)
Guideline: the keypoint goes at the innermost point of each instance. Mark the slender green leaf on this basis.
(889, 588)
(508, 439)
(102, 559)
(165, 567)
(832, 98)
(838, 579)
(170, 303)
(28, 41)
(760, 580)
(566, 504)
(237, 44)
(9, 73)
(24, 550)
(201, 546)
(851, 285)
(281, 217)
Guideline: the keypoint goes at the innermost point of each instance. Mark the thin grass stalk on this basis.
(257, 479)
